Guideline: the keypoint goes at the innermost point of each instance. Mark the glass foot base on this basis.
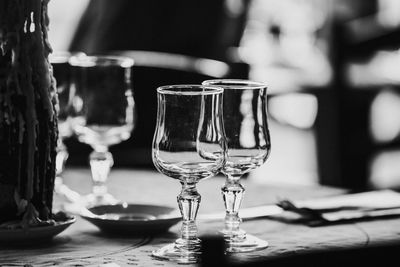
(92, 200)
(175, 254)
(245, 244)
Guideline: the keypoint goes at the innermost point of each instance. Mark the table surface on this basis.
(82, 244)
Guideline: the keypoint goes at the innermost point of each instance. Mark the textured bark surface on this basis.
(28, 122)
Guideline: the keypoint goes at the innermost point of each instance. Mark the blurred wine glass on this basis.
(102, 113)
(248, 141)
(62, 74)
(188, 145)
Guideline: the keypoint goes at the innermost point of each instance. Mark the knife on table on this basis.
(246, 213)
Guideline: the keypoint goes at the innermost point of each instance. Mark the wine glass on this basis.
(188, 145)
(102, 113)
(61, 73)
(62, 76)
(248, 140)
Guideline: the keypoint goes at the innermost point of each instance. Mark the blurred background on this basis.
(332, 66)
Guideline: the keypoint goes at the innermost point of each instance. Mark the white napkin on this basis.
(343, 208)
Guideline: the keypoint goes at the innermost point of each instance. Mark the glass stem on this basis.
(188, 201)
(233, 192)
(101, 162)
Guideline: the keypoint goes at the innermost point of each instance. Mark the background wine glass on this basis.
(102, 113)
(61, 72)
(248, 140)
(188, 145)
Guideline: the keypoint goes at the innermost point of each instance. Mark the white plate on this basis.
(34, 234)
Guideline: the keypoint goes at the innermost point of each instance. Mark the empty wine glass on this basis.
(188, 145)
(248, 140)
(102, 113)
(61, 72)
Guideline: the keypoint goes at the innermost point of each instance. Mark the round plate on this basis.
(34, 234)
(133, 218)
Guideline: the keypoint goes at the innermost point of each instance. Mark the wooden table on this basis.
(82, 244)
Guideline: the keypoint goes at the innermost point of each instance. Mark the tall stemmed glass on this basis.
(102, 113)
(248, 140)
(61, 72)
(188, 145)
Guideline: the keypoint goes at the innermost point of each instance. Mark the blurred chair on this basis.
(151, 70)
(205, 29)
(344, 140)
(354, 32)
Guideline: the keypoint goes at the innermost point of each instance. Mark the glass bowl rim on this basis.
(63, 56)
(100, 60)
(239, 84)
(210, 89)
